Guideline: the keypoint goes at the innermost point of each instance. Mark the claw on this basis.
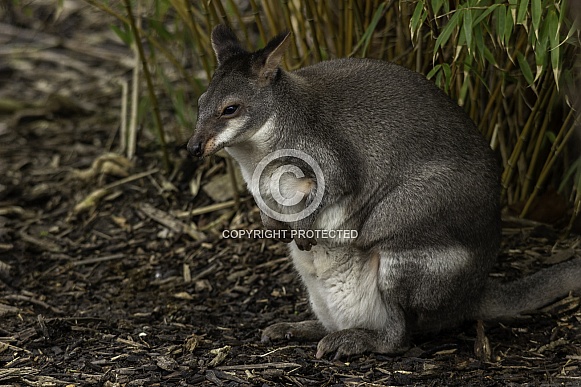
(305, 244)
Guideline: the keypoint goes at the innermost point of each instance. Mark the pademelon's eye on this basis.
(230, 110)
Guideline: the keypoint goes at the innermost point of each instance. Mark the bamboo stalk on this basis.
(258, 21)
(210, 13)
(152, 97)
(555, 152)
(203, 56)
(311, 20)
(349, 28)
(287, 18)
(358, 21)
(340, 46)
(132, 132)
(222, 13)
(523, 138)
(270, 15)
(301, 38)
(123, 125)
(419, 47)
(328, 19)
(367, 13)
(537, 148)
(240, 19)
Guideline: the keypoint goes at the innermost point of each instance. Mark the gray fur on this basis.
(404, 166)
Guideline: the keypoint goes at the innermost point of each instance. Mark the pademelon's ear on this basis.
(269, 58)
(225, 43)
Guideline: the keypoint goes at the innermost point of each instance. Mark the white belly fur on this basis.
(342, 287)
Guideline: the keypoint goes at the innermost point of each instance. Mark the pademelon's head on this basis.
(238, 100)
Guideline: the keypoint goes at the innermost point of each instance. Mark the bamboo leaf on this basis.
(467, 28)
(508, 26)
(416, 20)
(525, 68)
(536, 12)
(369, 31)
(447, 76)
(125, 36)
(433, 71)
(161, 8)
(541, 50)
(436, 5)
(479, 39)
(522, 12)
(467, 81)
(489, 56)
(447, 31)
(552, 22)
(487, 12)
(572, 31)
(573, 170)
(563, 11)
(161, 30)
(500, 17)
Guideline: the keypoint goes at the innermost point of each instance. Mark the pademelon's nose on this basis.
(195, 147)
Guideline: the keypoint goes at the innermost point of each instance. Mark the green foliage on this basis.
(509, 63)
(484, 40)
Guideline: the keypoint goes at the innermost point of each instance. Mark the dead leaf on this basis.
(192, 343)
(90, 202)
(108, 163)
(183, 296)
(221, 354)
(121, 222)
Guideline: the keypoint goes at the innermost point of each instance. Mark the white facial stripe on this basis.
(232, 129)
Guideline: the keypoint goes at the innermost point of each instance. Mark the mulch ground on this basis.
(115, 273)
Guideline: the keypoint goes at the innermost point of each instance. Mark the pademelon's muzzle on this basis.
(202, 145)
(196, 146)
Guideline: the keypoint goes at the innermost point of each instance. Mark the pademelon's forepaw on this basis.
(277, 332)
(310, 330)
(305, 244)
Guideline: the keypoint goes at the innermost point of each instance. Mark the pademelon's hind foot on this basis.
(343, 343)
(356, 341)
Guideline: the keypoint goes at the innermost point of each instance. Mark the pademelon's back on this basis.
(380, 104)
(373, 81)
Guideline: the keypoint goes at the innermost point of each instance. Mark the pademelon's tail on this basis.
(531, 292)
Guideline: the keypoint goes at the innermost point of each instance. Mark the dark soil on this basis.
(132, 288)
